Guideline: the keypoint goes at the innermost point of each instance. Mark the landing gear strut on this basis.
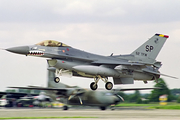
(57, 74)
(94, 85)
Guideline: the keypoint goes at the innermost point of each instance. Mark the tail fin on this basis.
(51, 83)
(148, 51)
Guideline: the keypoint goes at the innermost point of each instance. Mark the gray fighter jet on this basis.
(68, 61)
(74, 95)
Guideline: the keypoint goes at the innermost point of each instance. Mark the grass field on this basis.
(136, 105)
(170, 105)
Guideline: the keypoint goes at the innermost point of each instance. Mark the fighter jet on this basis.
(74, 95)
(124, 69)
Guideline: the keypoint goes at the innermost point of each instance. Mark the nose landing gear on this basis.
(56, 79)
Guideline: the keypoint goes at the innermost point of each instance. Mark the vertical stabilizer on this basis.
(148, 51)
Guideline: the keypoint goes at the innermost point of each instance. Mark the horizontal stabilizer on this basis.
(168, 76)
(153, 72)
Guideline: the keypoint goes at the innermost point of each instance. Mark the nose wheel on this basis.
(57, 75)
(56, 79)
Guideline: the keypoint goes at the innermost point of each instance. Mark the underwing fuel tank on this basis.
(97, 70)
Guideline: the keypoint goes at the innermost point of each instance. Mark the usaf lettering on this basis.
(149, 48)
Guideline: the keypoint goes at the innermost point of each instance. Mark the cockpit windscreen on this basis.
(52, 43)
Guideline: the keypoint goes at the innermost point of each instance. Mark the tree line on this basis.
(137, 97)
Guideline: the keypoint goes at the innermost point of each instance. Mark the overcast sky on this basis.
(97, 26)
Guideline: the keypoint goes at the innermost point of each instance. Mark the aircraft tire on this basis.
(56, 79)
(93, 87)
(65, 107)
(103, 108)
(109, 85)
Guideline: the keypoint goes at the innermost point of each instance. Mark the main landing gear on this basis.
(94, 85)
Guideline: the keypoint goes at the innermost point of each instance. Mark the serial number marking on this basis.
(141, 54)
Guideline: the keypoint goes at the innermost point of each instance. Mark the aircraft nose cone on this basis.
(19, 50)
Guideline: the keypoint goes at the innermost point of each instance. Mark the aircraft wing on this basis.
(114, 62)
(110, 61)
(15, 94)
(43, 88)
(153, 72)
(3, 93)
(129, 89)
(59, 91)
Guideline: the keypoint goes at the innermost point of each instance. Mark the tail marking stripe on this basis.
(166, 36)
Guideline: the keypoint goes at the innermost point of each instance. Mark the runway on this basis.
(121, 113)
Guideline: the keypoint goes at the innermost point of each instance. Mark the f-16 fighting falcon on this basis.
(124, 69)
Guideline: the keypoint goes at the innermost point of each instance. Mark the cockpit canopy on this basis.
(52, 43)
